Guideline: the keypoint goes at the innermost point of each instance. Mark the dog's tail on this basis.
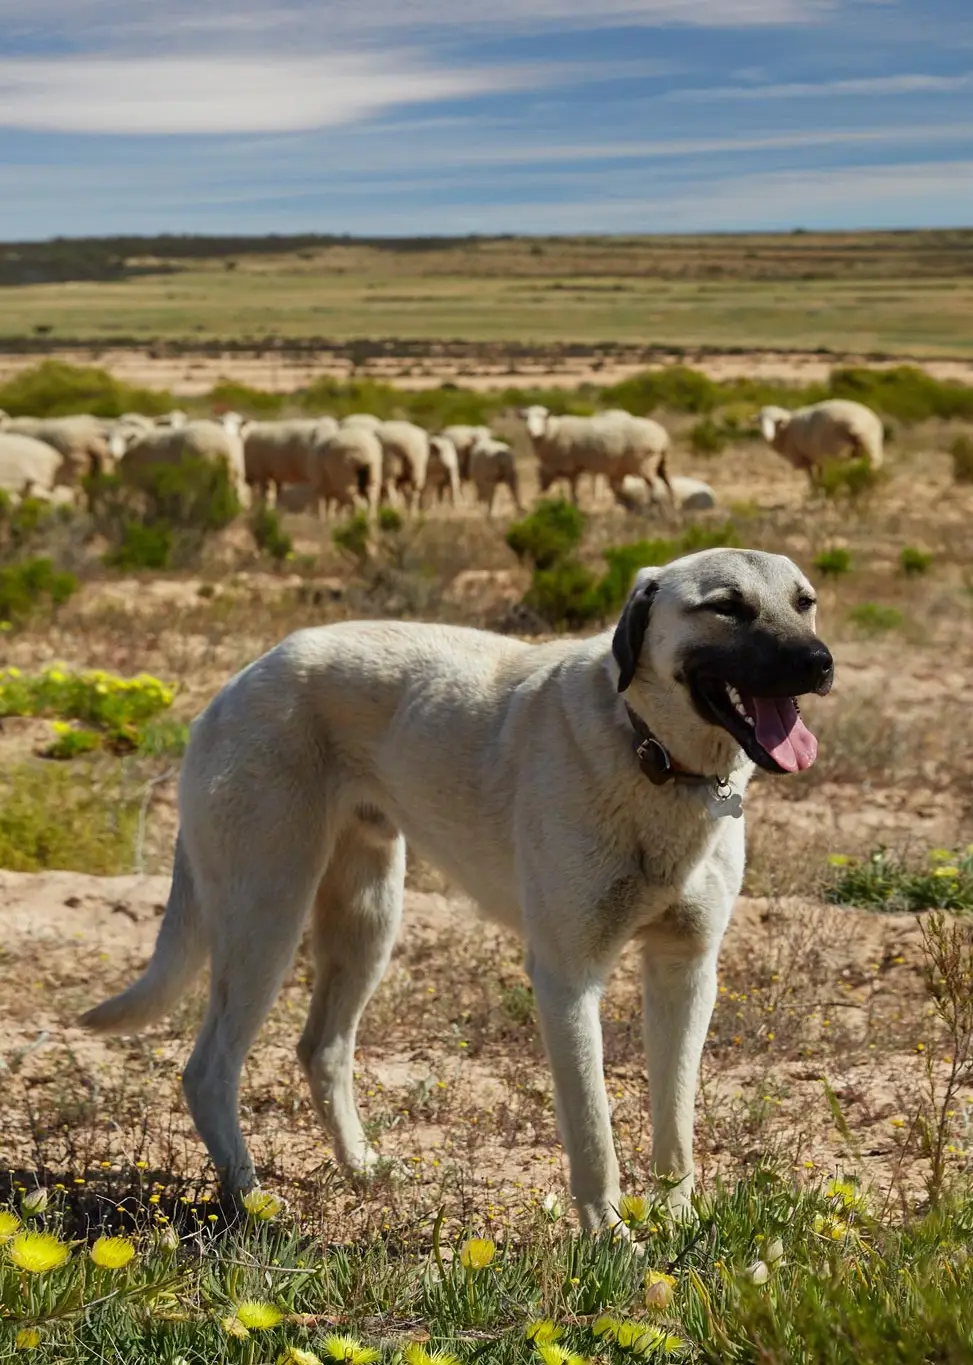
(180, 952)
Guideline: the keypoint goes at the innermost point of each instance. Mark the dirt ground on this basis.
(191, 375)
(452, 1080)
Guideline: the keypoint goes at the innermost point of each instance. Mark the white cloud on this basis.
(232, 94)
(904, 83)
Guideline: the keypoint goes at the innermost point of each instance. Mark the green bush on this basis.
(55, 817)
(164, 520)
(708, 438)
(270, 537)
(914, 562)
(548, 534)
(258, 403)
(876, 617)
(55, 389)
(140, 547)
(851, 478)
(566, 595)
(886, 881)
(834, 562)
(352, 537)
(961, 451)
(904, 392)
(31, 586)
(676, 387)
(390, 520)
(119, 708)
(72, 742)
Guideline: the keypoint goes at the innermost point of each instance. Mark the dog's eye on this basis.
(733, 607)
(805, 602)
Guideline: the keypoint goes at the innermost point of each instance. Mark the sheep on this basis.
(349, 462)
(135, 419)
(216, 442)
(405, 459)
(175, 418)
(361, 419)
(492, 464)
(832, 430)
(276, 453)
(464, 438)
(689, 495)
(442, 471)
(613, 444)
(28, 467)
(81, 440)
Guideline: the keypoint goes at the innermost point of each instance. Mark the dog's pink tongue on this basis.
(782, 732)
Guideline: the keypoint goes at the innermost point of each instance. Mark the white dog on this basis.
(578, 816)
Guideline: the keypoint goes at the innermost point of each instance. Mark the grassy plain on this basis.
(891, 293)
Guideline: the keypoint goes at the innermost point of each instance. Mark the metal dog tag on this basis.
(722, 800)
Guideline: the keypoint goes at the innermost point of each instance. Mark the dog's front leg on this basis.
(568, 1010)
(679, 991)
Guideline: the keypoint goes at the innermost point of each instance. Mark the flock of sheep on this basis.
(361, 461)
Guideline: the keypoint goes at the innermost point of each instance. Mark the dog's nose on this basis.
(822, 668)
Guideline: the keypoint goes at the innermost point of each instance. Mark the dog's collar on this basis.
(660, 767)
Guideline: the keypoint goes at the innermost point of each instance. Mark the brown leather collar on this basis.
(657, 763)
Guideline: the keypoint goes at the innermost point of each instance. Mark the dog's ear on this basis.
(630, 631)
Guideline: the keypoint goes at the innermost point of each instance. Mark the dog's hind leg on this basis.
(258, 921)
(357, 914)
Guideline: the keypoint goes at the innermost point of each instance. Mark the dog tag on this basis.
(722, 801)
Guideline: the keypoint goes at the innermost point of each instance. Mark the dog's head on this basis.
(727, 638)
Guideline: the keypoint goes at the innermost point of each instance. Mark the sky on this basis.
(405, 117)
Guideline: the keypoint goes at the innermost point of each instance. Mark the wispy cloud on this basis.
(904, 83)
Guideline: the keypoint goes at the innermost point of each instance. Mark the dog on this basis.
(584, 793)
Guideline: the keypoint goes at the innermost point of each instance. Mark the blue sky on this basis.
(392, 117)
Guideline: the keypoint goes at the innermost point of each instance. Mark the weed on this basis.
(352, 537)
(72, 742)
(390, 519)
(565, 595)
(548, 534)
(914, 562)
(32, 586)
(118, 707)
(140, 547)
(876, 617)
(833, 562)
(853, 479)
(885, 881)
(54, 816)
(268, 533)
(961, 453)
(707, 438)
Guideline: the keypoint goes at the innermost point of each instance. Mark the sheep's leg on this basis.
(357, 914)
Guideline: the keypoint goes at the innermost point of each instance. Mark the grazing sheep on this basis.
(613, 444)
(28, 467)
(361, 419)
(175, 418)
(81, 440)
(689, 495)
(347, 464)
(405, 459)
(492, 464)
(833, 430)
(276, 453)
(442, 471)
(464, 438)
(135, 419)
(216, 442)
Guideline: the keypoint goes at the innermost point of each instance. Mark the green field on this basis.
(888, 293)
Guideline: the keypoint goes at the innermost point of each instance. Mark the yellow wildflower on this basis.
(112, 1253)
(832, 1229)
(295, 1356)
(350, 1349)
(605, 1326)
(415, 1354)
(257, 1315)
(477, 1253)
(945, 871)
(552, 1354)
(543, 1330)
(658, 1289)
(262, 1204)
(37, 1252)
(940, 855)
(27, 1339)
(633, 1209)
(840, 859)
(844, 1194)
(9, 1225)
(233, 1327)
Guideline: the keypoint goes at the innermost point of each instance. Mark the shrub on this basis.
(390, 519)
(914, 562)
(566, 594)
(53, 817)
(230, 396)
(852, 478)
(676, 387)
(904, 392)
(352, 537)
(624, 562)
(141, 547)
(270, 537)
(164, 520)
(889, 882)
(961, 451)
(876, 617)
(834, 562)
(117, 707)
(708, 438)
(547, 534)
(72, 742)
(31, 586)
(55, 389)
